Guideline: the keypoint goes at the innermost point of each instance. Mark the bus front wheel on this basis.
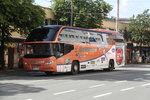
(75, 68)
(48, 73)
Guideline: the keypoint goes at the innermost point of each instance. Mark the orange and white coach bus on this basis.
(56, 48)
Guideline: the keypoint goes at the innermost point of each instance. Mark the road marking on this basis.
(138, 79)
(28, 99)
(102, 95)
(126, 89)
(96, 85)
(34, 81)
(121, 81)
(63, 92)
(146, 84)
(147, 74)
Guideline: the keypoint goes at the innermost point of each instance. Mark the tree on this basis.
(86, 13)
(140, 28)
(20, 16)
(126, 34)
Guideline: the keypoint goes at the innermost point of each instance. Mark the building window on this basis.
(46, 21)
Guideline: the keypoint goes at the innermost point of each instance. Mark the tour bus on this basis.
(56, 48)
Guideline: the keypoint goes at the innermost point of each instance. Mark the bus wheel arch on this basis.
(75, 67)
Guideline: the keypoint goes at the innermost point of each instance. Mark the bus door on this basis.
(104, 58)
(83, 56)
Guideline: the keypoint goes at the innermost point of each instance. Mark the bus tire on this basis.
(48, 73)
(110, 66)
(75, 68)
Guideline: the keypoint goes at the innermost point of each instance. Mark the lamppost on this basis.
(117, 17)
(71, 22)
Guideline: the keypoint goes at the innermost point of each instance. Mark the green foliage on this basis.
(140, 28)
(86, 13)
(127, 35)
(20, 16)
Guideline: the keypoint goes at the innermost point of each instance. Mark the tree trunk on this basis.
(141, 49)
(2, 49)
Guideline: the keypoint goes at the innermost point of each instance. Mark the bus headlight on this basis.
(48, 63)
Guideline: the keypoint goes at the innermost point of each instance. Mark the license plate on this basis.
(35, 67)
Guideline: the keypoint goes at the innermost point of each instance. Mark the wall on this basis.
(111, 24)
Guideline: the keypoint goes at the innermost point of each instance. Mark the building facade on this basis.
(110, 23)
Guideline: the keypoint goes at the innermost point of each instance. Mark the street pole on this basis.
(71, 22)
(117, 17)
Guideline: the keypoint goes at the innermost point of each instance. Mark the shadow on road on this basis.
(9, 89)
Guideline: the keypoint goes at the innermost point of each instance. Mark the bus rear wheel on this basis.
(74, 68)
(110, 66)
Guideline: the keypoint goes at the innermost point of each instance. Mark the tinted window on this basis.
(92, 39)
(45, 50)
(42, 34)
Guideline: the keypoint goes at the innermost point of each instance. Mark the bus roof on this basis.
(99, 30)
(50, 26)
(106, 31)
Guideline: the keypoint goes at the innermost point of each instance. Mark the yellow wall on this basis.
(15, 34)
(111, 24)
(49, 13)
(108, 24)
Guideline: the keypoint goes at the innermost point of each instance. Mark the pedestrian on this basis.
(143, 59)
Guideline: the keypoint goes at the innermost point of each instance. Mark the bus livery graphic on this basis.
(119, 56)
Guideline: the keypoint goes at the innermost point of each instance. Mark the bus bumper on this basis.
(45, 64)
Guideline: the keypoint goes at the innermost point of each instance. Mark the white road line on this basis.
(121, 81)
(147, 74)
(96, 85)
(63, 92)
(34, 81)
(146, 84)
(138, 79)
(126, 89)
(28, 99)
(102, 95)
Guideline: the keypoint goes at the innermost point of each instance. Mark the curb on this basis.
(5, 71)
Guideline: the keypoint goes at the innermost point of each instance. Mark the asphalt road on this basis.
(131, 82)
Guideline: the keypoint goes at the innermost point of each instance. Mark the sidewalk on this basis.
(5, 71)
(140, 65)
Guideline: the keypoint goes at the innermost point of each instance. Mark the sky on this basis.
(128, 8)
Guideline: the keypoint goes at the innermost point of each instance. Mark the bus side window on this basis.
(68, 48)
(92, 40)
(104, 39)
(101, 38)
(66, 35)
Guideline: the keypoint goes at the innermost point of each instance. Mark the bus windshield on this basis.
(44, 50)
(42, 34)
